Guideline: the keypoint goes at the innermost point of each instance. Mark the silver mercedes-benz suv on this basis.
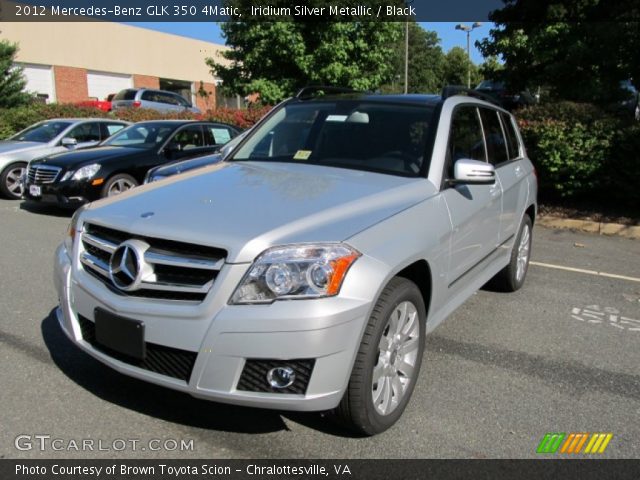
(304, 271)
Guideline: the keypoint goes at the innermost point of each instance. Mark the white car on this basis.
(46, 138)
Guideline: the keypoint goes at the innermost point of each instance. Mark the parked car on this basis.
(46, 138)
(121, 162)
(631, 103)
(505, 97)
(304, 271)
(160, 100)
(173, 168)
(104, 105)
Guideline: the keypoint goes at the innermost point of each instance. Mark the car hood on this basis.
(246, 207)
(10, 146)
(90, 155)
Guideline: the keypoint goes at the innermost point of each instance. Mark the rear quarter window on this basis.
(513, 145)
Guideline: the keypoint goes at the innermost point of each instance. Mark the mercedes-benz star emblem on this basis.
(126, 265)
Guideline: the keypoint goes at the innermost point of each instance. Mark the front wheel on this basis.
(11, 180)
(388, 361)
(118, 184)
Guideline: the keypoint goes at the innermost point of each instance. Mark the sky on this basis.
(210, 32)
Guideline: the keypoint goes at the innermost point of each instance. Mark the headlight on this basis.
(72, 231)
(82, 173)
(295, 272)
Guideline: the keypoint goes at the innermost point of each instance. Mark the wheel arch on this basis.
(531, 211)
(419, 272)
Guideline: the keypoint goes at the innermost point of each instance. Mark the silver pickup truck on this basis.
(305, 270)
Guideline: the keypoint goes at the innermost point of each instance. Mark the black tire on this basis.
(357, 411)
(507, 279)
(108, 190)
(8, 178)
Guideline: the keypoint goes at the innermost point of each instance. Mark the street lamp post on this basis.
(468, 30)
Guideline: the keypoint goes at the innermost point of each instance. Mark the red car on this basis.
(104, 105)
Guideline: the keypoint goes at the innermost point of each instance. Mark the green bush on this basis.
(579, 149)
(12, 120)
(621, 175)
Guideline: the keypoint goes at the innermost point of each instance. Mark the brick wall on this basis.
(208, 103)
(71, 84)
(145, 81)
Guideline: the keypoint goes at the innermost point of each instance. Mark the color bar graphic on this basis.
(573, 443)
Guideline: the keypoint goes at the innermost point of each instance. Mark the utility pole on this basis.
(406, 57)
(468, 30)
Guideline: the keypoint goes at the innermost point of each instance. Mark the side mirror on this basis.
(473, 172)
(69, 142)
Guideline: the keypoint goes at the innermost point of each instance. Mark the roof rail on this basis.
(451, 90)
(308, 92)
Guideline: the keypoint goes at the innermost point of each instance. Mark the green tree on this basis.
(277, 58)
(426, 62)
(579, 49)
(491, 68)
(457, 66)
(12, 81)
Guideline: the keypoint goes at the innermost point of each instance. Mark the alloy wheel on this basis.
(397, 356)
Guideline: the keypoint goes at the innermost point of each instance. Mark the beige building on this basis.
(76, 61)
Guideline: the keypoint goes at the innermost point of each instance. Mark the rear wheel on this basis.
(118, 184)
(388, 361)
(511, 277)
(10, 185)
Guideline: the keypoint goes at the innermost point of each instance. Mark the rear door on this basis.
(474, 210)
(506, 154)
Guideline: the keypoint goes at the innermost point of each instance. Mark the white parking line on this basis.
(588, 272)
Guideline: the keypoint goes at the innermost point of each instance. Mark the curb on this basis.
(600, 228)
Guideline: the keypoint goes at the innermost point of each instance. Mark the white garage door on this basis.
(102, 84)
(40, 80)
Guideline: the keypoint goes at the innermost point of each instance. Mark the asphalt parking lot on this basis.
(561, 355)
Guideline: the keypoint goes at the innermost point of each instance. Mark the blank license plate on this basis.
(34, 190)
(120, 334)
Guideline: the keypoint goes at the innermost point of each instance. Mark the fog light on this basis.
(281, 377)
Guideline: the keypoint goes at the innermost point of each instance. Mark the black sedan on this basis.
(121, 162)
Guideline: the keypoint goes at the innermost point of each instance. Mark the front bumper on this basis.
(69, 194)
(224, 337)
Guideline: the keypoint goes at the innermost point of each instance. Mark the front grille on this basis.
(254, 375)
(168, 361)
(40, 174)
(178, 271)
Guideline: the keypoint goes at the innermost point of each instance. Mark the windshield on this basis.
(379, 137)
(41, 132)
(144, 135)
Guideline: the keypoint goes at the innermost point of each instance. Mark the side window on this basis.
(167, 98)
(189, 137)
(465, 139)
(512, 138)
(180, 100)
(109, 129)
(86, 132)
(221, 135)
(149, 96)
(496, 144)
